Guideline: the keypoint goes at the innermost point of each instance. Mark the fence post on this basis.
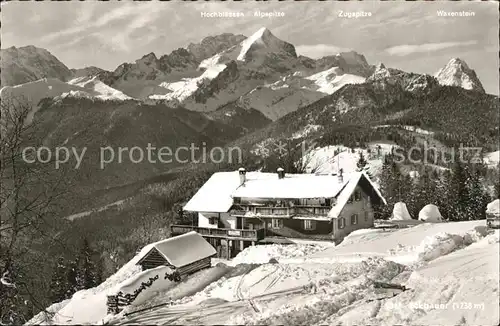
(112, 304)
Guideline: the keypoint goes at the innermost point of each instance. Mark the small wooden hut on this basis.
(186, 254)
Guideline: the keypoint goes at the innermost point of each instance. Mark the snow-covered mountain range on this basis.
(259, 72)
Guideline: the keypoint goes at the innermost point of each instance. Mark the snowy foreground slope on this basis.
(450, 271)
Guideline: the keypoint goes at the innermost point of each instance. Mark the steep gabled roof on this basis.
(347, 191)
(217, 194)
(183, 250)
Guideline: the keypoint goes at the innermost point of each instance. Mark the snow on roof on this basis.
(184, 249)
(347, 191)
(344, 196)
(493, 207)
(400, 212)
(430, 213)
(217, 194)
(268, 185)
(374, 186)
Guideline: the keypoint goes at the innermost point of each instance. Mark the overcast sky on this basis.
(406, 35)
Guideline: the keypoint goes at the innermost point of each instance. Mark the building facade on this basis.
(237, 209)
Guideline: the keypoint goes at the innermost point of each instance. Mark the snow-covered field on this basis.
(492, 159)
(180, 90)
(329, 81)
(409, 128)
(330, 159)
(104, 91)
(450, 271)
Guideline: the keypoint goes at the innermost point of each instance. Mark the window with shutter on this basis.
(341, 223)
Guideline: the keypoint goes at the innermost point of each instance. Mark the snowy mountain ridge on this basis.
(255, 47)
(95, 85)
(332, 79)
(457, 73)
(263, 38)
(261, 72)
(268, 76)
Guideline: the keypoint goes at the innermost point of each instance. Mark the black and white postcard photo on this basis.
(252, 162)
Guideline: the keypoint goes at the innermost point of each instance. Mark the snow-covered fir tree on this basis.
(457, 199)
(71, 278)
(394, 185)
(361, 162)
(59, 283)
(477, 198)
(88, 273)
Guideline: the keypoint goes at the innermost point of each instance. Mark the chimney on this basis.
(281, 173)
(242, 172)
(340, 176)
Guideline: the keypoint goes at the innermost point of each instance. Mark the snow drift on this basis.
(400, 212)
(442, 263)
(493, 207)
(430, 213)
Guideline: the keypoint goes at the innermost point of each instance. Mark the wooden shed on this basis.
(186, 254)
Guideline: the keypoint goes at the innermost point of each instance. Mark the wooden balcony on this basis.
(280, 212)
(273, 211)
(311, 210)
(238, 234)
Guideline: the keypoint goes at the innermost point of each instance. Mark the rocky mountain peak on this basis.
(263, 41)
(87, 71)
(212, 45)
(380, 72)
(24, 64)
(148, 59)
(458, 61)
(350, 62)
(353, 58)
(457, 73)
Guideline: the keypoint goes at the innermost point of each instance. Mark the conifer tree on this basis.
(361, 162)
(409, 198)
(394, 186)
(88, 274)
(59, 282)
(477, 198)
(443, 194)
(426, 189)
(71, 278)
(458, 192)
(386, 187)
